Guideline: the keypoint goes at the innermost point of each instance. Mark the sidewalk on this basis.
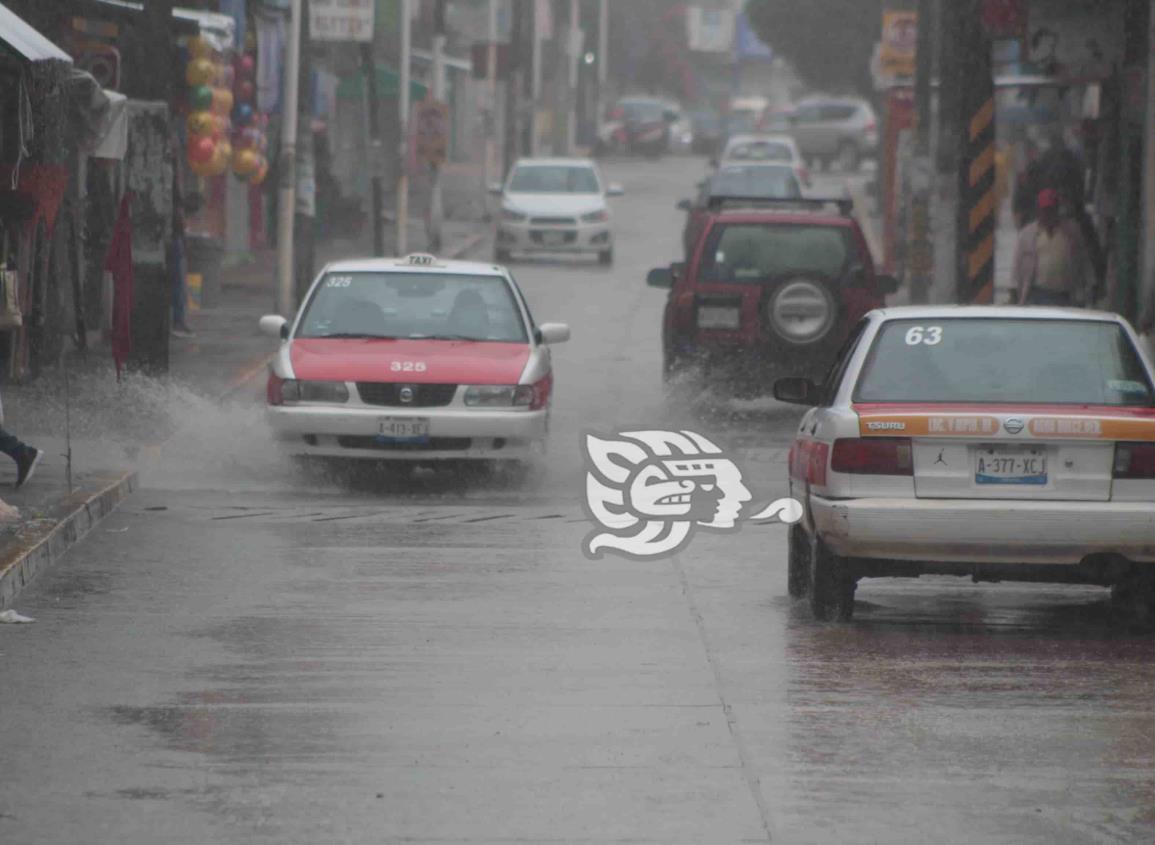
(113, 428)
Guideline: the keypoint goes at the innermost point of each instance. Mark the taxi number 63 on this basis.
(924, 335)
(408, 366)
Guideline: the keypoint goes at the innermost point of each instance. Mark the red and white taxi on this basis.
(412, 359)
(995, 443)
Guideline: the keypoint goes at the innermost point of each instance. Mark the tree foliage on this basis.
(829, 42)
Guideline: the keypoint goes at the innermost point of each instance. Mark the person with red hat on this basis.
(1052, 266)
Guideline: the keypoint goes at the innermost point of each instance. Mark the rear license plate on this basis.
(715, 317)
(404, 428)
(1011, 465)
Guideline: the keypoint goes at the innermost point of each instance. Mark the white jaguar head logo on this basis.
(649, 490)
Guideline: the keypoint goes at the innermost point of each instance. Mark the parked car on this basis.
(413, 360)
(555, 205)
(839, 130)
(750, 182)
(758, 147)
(636, 126)
(995, 443)
(769, 290)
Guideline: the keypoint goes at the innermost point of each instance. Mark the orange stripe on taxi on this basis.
(1013, 426)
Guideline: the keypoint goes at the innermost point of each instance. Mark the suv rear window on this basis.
(763, 252)
(1064, 362)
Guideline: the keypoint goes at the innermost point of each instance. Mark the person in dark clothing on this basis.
(27, 457)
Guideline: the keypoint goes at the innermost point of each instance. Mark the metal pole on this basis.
(287, 196)
(403, 129)
(534, 82)
(603, 56)
(369, 69)
(491, 93)
(573, 51)
(440, 93)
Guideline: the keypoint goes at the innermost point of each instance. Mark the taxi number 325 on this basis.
(408, 366)
(924, 336)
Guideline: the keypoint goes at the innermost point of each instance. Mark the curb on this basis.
(43, 542)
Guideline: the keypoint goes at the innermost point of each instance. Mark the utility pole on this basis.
(369, 69)
(491, 96)
(513, 84)
(440, 94)
(534, 79)
(403, 129)
(920, 248)
(573, 55)
(287, 169)
(603, 57)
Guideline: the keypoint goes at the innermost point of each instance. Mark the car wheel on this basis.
(832, 585)
(502, 256)
(797, 562)
(606, 257)
(849, 158)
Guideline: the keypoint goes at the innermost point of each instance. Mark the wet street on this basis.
(246, 652)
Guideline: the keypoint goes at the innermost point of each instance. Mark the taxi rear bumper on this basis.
(985, 531)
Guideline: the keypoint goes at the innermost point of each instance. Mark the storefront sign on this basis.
(341, 20)
(899, 42)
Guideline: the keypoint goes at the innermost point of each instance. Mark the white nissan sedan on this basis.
(993, 443)
(555, 205)
(412, 359)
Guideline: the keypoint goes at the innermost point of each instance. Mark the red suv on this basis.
(771, 289)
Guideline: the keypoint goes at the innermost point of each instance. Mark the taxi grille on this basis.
(393, 395)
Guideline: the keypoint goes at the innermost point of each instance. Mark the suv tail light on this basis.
(1135, 460)
(872, 456)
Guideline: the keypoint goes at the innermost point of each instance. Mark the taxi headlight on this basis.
(499, 395)
(314, 391)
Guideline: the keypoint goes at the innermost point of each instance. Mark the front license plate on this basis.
(715, 317)
(1011, 465)
(404, 428)
(553, 238)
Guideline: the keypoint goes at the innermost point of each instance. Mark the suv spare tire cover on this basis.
(801, 310)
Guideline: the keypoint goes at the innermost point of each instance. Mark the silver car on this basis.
(843, 130)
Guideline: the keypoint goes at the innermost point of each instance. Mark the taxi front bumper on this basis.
(988, 531)
(453, 433)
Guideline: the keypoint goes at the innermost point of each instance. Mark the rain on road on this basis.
(248, 653)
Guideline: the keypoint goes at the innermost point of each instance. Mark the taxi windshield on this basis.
(1063, 362)
(763, 252)
(413, 306)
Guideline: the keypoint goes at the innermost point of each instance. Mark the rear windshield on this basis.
(413, 306)
(763, 252)
(1064, 362)
(769, 182)
(760, 151)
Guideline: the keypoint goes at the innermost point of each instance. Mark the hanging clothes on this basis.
(118, 263)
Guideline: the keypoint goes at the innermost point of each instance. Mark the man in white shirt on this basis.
(1051, 262)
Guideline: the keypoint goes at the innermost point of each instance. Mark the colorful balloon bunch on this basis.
(249, 162)
(210, 101)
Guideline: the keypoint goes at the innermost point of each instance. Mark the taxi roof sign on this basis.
(420, 259)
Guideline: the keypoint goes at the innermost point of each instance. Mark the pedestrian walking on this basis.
(1051, 262)
(27, 457)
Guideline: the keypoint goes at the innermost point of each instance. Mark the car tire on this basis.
(502, 256)
(849, 158)
(788, 296)
(797, 562)
(832, 584)
(606, 257)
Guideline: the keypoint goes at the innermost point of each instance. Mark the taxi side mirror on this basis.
(796, 391)
(549, 333)
(614, 189)
(274, 325)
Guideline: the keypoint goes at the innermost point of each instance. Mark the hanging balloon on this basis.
(200, 123)
(200, 72)
(244, 114)
(201, 168)
(199, 48)
(201, 98)
(201, 150)
(245, 91)
(246, 66)
(222, 100)
(248, 139)
(246, 163)
(263, 171)
(221, 158)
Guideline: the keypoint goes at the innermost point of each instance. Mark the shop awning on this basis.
(26, 41)
(352, 86)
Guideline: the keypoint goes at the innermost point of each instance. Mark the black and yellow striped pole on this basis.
(978, 201)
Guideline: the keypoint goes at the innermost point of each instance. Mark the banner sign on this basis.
(341, 20)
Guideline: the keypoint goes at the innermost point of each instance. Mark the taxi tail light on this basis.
(1135, 460)
(872, 456)
(274, 390)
